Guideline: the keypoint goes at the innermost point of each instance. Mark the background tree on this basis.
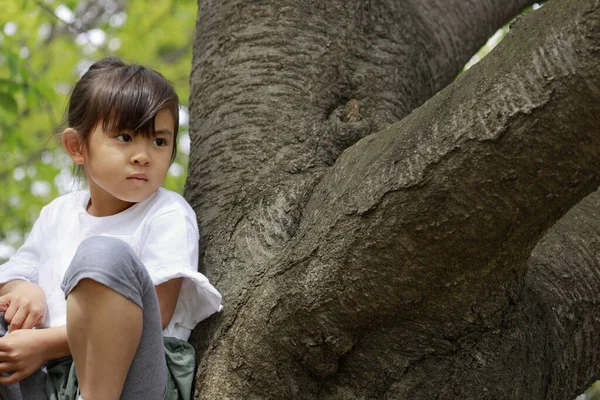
(363, 258)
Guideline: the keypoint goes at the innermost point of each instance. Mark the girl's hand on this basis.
(24, 306)
(21, 353)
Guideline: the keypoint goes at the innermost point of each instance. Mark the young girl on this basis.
(109, 271)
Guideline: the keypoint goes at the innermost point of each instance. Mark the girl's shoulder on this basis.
(167, 203)
(67, 204)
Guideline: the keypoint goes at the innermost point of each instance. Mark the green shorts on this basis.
(62, 384)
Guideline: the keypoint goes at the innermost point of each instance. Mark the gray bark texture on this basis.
(371, 220)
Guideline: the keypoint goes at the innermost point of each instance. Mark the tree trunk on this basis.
(394, 266)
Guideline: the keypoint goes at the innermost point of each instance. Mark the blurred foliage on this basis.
(44, 47)
(497, 38)
(592, 393)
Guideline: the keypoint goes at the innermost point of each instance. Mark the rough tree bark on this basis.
(365, 260)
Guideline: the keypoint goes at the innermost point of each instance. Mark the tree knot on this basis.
(352, 111)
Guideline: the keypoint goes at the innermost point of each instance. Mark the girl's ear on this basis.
(73, 145)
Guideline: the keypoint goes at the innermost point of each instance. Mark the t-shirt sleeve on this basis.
(171, 251)
(25, 263)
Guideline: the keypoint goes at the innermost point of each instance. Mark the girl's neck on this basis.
(99, 207)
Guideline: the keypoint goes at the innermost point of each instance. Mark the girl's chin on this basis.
(136, 197)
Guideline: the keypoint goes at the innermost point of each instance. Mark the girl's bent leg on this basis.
(104, 331)
(113, 323)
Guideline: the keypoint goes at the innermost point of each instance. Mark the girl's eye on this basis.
(124, 137)
(160, 142)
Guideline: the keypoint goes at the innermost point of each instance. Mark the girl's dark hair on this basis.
(125, 97)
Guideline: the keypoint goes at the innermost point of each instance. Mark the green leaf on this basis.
(13, 64)
(9, 86)
(44, 90)
(8, 103)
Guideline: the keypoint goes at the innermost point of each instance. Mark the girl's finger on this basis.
(10, 312)
(4, 302)
(31, 321)
(12, 378)
(18, 319)
(41, 319)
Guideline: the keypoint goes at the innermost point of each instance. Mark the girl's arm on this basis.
(168, 293)
(170, 255)
(16, 285)
(6, 287)
(24, 302)
(53, 342)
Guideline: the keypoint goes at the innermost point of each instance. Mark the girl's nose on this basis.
(141, 157)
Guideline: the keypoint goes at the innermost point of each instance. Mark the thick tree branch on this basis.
(270, 78)
(426, 226)
(482, 157)
(269, 83)
(454, 197)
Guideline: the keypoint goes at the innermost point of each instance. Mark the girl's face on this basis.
(123, 168)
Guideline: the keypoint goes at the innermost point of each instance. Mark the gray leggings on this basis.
(113, 263)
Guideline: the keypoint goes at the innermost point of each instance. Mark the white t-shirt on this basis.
(162, 230)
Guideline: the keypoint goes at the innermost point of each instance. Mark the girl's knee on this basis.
(103, 249)
(104, 253)
(108, 261)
